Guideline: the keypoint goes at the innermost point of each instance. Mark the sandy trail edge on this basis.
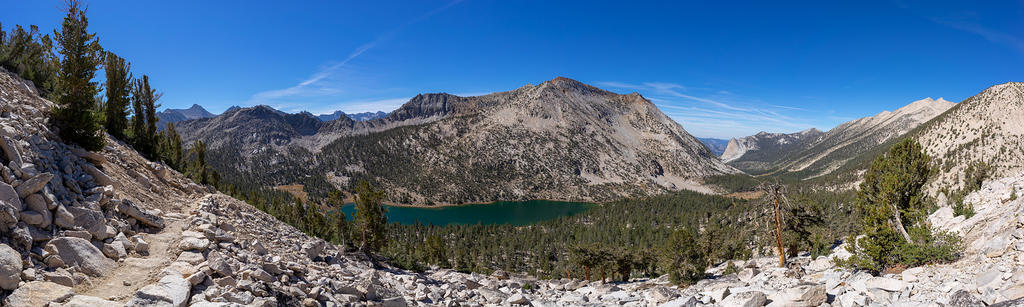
(137, 271)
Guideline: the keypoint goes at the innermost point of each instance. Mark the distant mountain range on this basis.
(717, 146)
(198, 112)
(566, 140)
(179, 115)
(561, 140)
(359, 117)
(753, 154)
(849, 146)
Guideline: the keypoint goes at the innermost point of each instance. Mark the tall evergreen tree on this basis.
(138, 115)
(890, 195)
(75, 114)
(151, 119)
(370, 219)
(682, 258)
(892, 208)
(119, 86)
(339, 220)
(200, 172)
(171, 151)
(144, 120)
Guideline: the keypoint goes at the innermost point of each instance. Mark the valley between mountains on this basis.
(120, 230)
(555, 194)
(600, 192)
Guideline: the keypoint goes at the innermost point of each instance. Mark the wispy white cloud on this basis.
(965, 18)
(661, 86)
(620, 85)
(719, 113)
(1015, 42)
(472, 94)
(787, 107)
(318, 86)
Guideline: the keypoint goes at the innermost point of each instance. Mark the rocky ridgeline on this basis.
(112, 229)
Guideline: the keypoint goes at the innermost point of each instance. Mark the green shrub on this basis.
(960, 208)
(682, 259)
(976, 174)
(892, 208)
(819, 246)
(930, 248)
(730, 268)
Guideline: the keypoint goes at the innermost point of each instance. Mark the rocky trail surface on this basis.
(112, 229)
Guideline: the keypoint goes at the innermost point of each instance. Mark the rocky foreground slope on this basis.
(111, 229)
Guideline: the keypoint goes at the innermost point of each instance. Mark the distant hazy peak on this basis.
(766, 141)
(178, 115)
(364, 116)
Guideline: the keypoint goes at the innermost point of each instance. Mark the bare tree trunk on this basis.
(363, 245)
(899, 226)
(602, 274)
(586, 270)
(778, 230)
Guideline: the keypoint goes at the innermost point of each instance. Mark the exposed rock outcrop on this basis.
(586, 143)
(81, 254)
(38, 293)
(178, 245)
(10, 268)
(986, 127)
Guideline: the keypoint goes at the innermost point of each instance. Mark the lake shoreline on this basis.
(504, 212)
(350, 198)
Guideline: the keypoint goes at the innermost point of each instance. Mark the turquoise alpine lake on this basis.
(502, 212)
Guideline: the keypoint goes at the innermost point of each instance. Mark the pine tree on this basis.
(151, 119)
(200, 172)
(118, 85)
(138, 115)
(339, 220)
(144, 132)
(437, 251)
(171, 151)
(75, 114)
(682, 258)
(370, 219)
(803, 217)
(30, 55)
(890, 202)
(584, 256)
(624, 263)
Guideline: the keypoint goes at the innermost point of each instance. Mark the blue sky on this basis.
(720, 68)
